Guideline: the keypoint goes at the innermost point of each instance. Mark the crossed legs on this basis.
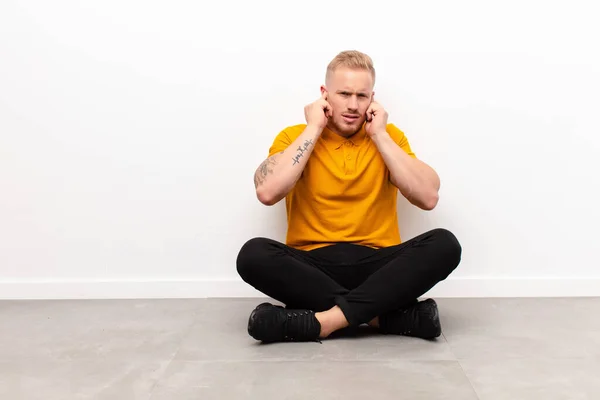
(348, 285)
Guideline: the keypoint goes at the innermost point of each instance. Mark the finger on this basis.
(370, 113)
(326, 108)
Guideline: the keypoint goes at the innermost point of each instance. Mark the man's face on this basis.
(349, 92)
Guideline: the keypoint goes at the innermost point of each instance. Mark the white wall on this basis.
(130, 131)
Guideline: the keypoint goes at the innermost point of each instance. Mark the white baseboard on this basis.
(202, 288)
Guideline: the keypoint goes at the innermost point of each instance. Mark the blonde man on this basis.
(344, 263)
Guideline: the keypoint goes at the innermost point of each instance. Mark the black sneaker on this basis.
(421, 320)
(269, 323)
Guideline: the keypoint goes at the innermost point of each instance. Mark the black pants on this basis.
(364, 282)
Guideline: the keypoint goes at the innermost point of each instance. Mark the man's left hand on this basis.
(376, 119)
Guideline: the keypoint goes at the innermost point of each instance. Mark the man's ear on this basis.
(323, 90)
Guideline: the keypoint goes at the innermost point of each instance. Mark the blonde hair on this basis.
(351, 59)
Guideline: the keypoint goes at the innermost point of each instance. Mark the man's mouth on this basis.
(350, 118)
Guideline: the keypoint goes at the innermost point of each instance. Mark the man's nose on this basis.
(353, 103)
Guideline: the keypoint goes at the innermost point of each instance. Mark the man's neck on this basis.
(332, 129)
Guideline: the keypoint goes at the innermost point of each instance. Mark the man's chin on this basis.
(347, 129)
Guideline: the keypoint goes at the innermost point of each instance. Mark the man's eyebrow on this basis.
(350, 91)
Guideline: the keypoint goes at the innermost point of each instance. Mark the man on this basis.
(343, 263)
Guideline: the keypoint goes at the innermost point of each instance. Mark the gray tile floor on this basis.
(199, 349)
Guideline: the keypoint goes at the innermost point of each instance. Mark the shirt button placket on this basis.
(348, 152)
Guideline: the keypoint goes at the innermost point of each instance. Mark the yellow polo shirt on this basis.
(344, 194)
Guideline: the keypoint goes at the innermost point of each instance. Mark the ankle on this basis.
(331, 320)
(325, 323)
(374, 323)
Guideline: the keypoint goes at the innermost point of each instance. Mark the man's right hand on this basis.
(318, 113)
(278, 174)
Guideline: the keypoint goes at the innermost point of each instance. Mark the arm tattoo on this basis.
(301, 150)
(263, 170)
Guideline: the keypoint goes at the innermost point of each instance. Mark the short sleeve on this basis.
(281, 142)
(400, 138)
(284, 139)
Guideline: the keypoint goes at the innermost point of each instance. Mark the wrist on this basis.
(380, 137)
(316, 129)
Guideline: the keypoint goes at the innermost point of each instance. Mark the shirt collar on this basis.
(335, 141)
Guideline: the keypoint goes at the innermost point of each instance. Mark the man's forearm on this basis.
(417, 181)
(278, 174)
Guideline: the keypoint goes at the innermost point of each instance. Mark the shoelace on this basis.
(299, 323)
(412, 319)
(407, 319)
